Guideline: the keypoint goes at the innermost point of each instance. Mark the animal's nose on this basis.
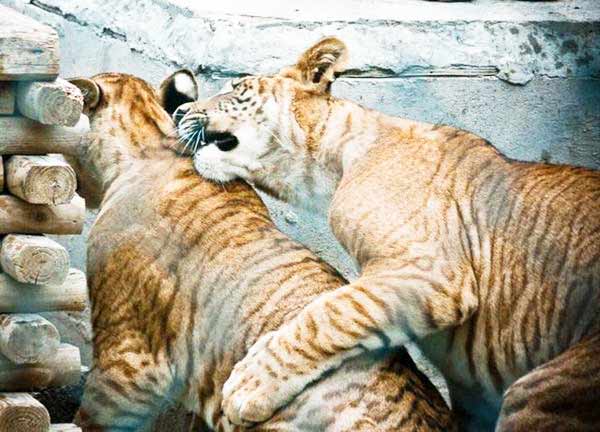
(180, 112)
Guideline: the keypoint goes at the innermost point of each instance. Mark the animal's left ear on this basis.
(319, 64)
(178, 88)
(90, 90)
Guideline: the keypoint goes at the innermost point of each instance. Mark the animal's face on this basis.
(233, 130)
(128, 121)
(261, 128)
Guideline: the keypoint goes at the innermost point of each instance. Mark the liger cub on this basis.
(185, 275)
(491, 265)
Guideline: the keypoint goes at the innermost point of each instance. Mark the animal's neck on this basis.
(345, 137)
(334, 144)
(108, 154)
(353, 130)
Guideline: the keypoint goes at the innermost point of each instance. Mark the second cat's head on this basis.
(264, 128)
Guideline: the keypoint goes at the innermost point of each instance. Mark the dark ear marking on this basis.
(318, 74)
(319, 64)
(177, 89)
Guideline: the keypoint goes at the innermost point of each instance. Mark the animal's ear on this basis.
(89, 89)
(319, 64)
(178, 88)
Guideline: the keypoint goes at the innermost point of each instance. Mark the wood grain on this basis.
(7, 97)
(20, 412)
(29, 49)
(40, 179)
(61, 370)
(53, 103)
(17, 297)
(18, 216)
(27, 338)
(34, 259)
(23, 136)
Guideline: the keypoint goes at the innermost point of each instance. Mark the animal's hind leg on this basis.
(122, 396)
(561, 395)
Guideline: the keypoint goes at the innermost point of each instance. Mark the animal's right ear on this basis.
(178, 88)
(89, 89)
(319, 64)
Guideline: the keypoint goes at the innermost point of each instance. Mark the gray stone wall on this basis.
(526, 76)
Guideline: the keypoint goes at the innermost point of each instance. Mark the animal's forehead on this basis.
(247, 80)
(256, 82)
(238, 84)
(113, 81)
(246, 87)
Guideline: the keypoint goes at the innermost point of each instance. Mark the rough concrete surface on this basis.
(524, 75)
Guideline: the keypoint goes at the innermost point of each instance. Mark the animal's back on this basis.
(526, 234)
(184, 277)
(538, 268)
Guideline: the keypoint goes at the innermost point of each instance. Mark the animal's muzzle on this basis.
(193, 129)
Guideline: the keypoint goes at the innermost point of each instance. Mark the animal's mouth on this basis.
(224, 141)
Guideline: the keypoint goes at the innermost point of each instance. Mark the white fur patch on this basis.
(185, 85)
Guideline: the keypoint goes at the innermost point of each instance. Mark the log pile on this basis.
(40, 113)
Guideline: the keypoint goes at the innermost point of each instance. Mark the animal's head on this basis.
(263, 128)
(129, 120)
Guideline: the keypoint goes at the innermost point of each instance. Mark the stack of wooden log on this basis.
(39, 114)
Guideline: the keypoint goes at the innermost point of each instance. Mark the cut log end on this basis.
(53, 103)
(28, 338)
(41, 179)
(34, 259)
(20, 412)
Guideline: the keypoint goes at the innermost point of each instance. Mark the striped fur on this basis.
(491, 265)
(185, 275)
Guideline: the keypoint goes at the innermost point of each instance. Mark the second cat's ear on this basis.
(89, 89)
(177, 89)
(319, 64)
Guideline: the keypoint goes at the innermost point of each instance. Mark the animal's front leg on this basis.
(366, 315)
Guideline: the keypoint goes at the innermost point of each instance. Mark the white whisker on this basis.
(198, 137)
(188, 140)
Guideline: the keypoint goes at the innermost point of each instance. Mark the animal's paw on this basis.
(257, 386)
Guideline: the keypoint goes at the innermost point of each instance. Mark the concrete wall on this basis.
(526, 76)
